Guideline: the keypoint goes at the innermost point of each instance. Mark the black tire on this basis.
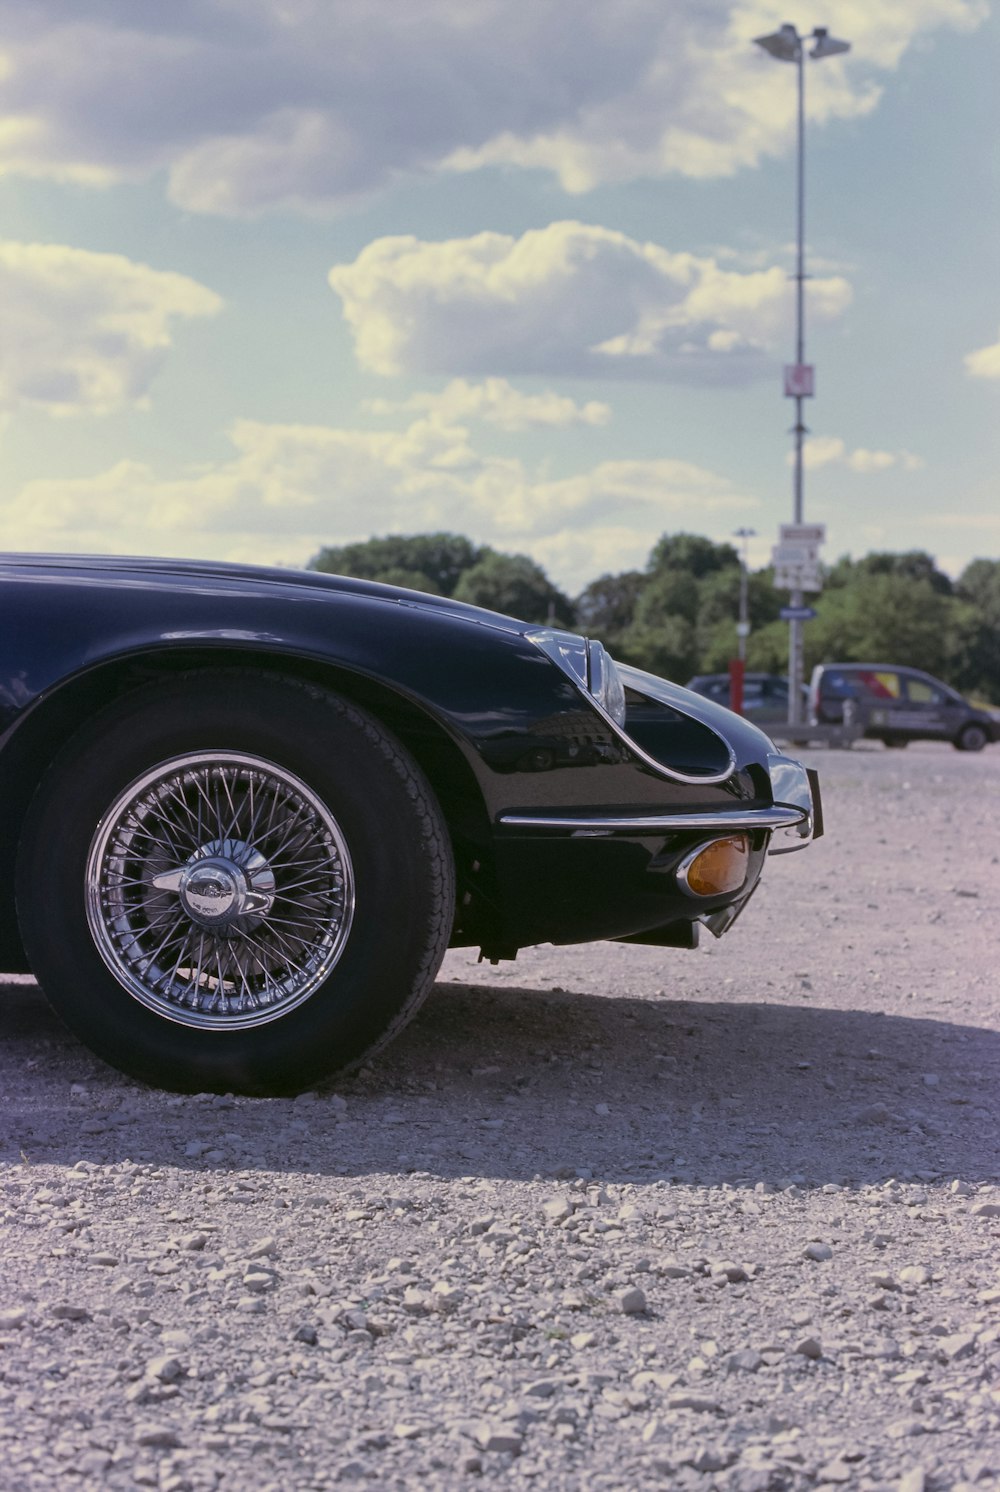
(193, 805)
(895, 743)
(972, 737)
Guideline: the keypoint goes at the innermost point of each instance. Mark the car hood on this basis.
(183, 572)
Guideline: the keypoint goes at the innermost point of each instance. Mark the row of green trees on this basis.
(677, 616)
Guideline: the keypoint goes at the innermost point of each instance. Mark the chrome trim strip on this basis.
(662, 823)
(643, 683)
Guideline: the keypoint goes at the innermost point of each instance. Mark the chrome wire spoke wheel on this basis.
(220, 891)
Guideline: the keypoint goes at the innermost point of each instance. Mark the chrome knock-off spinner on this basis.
(221, 883)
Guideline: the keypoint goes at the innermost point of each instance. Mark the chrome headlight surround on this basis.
(588, 664)
(798, 787)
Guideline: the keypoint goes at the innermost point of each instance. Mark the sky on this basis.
(278, 274)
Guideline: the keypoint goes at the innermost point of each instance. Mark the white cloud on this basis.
(821, 450)
(565, 299)
(497, 402)
(830, 450)
(985, 362)
(289, 489)
(293, 104)
(85, 332)
(869, 461)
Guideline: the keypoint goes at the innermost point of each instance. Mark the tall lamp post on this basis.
(788, 46)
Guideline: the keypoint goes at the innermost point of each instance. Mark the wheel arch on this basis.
(44, 729)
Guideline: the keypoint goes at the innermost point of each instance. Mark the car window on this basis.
(919, 692)
(881, 684)
(837, 685)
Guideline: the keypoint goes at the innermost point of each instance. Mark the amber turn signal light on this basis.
(717, 867)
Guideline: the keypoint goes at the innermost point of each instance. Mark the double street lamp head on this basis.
(786, 43)
(827, 45)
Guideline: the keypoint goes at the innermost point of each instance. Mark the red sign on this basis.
(800, 380)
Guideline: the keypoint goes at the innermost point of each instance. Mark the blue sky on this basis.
(284, 273)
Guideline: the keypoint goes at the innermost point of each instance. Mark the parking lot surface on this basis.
(606, 1217)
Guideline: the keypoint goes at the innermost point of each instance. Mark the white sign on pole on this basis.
(796, 557)
(797, 578)
(802, 533)
(796, 567)
(795, 554)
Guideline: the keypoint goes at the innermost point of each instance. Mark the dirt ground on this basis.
(606, 1217)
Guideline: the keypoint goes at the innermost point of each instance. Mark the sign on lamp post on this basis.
(800, 381)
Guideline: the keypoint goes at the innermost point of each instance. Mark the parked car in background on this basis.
(897, 705)
(765, 695)
(246, 811)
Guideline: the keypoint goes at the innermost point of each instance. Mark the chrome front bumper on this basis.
(793, 821)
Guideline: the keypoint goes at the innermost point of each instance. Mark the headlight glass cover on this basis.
(588, 664)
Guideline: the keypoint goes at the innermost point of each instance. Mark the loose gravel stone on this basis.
(500, 1438)
(632, 1302)
(962, 1344)
(699, 1403)
(161, 1436)
(67, 1311)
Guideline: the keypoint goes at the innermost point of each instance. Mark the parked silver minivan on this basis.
(897, 705)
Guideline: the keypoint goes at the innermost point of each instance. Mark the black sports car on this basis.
(246, 811)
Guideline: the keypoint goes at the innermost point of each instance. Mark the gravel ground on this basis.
(606, 1218)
